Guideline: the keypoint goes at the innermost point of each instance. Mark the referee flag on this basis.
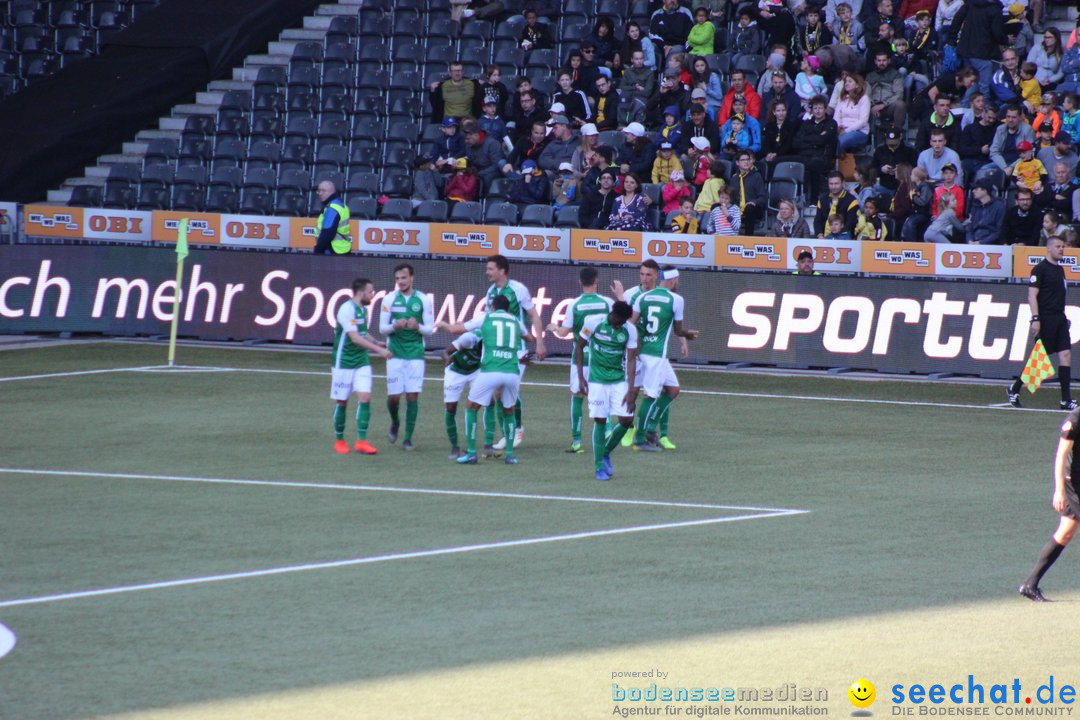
(1038, 367)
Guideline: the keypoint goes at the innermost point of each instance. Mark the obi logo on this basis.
(115, 224)
(59, 219)
(904, 256)
(611, 245)
(971, 260)
(754, 251)
(253, 230)
(391, 236)
(676, 248)
(531, 243)
(194, 226)
(480, 238)
(862, 693)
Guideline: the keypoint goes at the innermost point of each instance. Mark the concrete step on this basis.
(302, 35)
(317, 22)
(226, 85)
(172, 123)
(337, 9)
(279, 47)
(194, 109)
(117, 159)
(270, 59)
(60, 196)
(135, 148)
(95, 173)
(210, 98)
(148, 135)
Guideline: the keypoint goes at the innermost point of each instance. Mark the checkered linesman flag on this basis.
(1038, 367)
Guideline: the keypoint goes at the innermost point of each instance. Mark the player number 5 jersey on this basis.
(607, 346)
(658, 310)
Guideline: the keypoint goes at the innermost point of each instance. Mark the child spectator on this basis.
(924, 41)
(703, 159)
(674, 192)
(463, 185)
(1070, 116)
(725, 216)
(746, 38)
(922, 201)
(736, 138)
(948, 186)
(710, 191)
(808, 84)
(846, 29)
(686, 222)
(427, 181)
(449, 146)
(1028, 171)
(870, 226)
(491, 123)
(670, 131)
(812, 33)
(702, 34)
(664, 163)
(1030, 90)
(565, 190)
(837, 231)
(946, 225)
(532, 188)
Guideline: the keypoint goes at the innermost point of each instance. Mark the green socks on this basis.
(616, 437)
(644, 405)
(576, 401)
(339, 421)
(599, 445)
(470, 429)
(412, 409)
(509, 426)
(393, 406)
(517, 414)
(658, 410)
(451, 427)
(489, 425)
(363, 417)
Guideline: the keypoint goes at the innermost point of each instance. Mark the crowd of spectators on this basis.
(938, 120)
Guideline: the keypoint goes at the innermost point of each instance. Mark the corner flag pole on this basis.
(181, 253)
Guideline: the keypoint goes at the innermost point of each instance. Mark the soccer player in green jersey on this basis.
(351, 366)
(462, 366)
(407, 316)
(657, 313)
(610, 339)
(587, 304)
(500, 334)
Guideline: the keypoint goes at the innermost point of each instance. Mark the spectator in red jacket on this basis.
(739, 88)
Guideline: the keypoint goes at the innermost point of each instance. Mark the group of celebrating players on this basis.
(615, 340)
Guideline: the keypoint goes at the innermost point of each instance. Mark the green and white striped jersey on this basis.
(586, 305)
(407, 344)
(657, 309)
(350, 318)
(500, 334)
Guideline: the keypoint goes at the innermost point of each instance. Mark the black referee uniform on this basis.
(1049, 279)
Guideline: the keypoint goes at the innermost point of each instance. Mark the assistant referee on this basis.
(1046, 297)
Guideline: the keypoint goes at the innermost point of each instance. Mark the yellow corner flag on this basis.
(1038, 368)
(181, 253)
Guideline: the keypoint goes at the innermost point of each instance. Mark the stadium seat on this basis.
(401, 158)
(222, 200)
(374, 55)
(161, 150)
(397, 184)
(339, 55)
(227, 178)
(85, 196)
(538, 215)
(264, 154)
(467, 212)
(290, 202)
(267, 128)
(502, 213)
(339, 80)
(397, 209)
(406, 131)
(343, 26)
(363, 208)
(119, 196)
(510, 56)
(653, 191)
(542, 59)
(333, 131)
(569, 216)
(153, 197)
(298, 180)
(295, 155)
(198, 125)
(431, 211)
(363, 184)
(255, 202)
(189, 198)
(301, 129)
(500, 188)
(263, 179)
(794, 171)
(321, 174)
(189, 176)
(232, 127)
(364, 158)
(781, 189)
(374, 81)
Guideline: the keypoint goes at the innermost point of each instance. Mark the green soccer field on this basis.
(186, 543)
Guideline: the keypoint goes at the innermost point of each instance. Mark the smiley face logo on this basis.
(862, 693)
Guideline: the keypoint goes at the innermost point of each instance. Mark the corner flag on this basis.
(181, 253)
(1037, 369)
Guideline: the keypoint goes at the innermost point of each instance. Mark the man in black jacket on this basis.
(596, 206)
(816, 143)
(525, 115)
(891, 153)
(748, 191)
(973, 145)
(978, 29)
(698, 126)
(836, 201)
(1022, 221)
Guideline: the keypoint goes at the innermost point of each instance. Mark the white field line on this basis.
(714, 393)
(7, 640)
(45, 376)
(352, 562)
(379, 488)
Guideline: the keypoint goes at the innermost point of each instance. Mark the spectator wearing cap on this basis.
(532, 187)
(1018, 32)
(669, 27)
(485, 154)
(815, 141)
(637, 152)
(463, 185)
(698, 161)
(779, 91)
(1028, 172)
(560, 147)
(748, 191)
(739, 88)
(490, 121)
(983, 226)
(596, 206)
(575, 103)
(670, 131)
(637, 81)
(527, 148)
(698, 99)
(975, 141)
(449, 146)
(527, 112)
(675, 190)
(580, 161)
(1023, 221)
(949, 186)
(738, 134)
(890, 154)
(565, 190)
(697, 126)
(606, 99)
(666, 161)
(937, 156)
(1044, 136)
(535, 35)
(1060, 194)
(1013, 131)
(456, 96)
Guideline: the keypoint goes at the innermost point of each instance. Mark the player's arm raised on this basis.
(1061, 464)
(617, 289)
